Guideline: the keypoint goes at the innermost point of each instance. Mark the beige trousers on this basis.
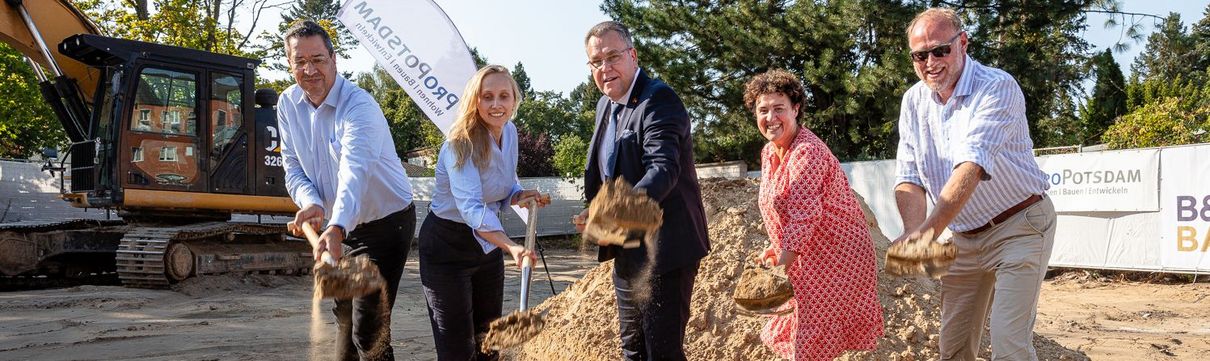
(997, 272)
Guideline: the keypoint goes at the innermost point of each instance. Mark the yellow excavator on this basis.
(175, 140)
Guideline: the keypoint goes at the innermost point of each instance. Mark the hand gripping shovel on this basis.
(350, 278)
(516, 328)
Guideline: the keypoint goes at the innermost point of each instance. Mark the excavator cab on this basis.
(170, 121)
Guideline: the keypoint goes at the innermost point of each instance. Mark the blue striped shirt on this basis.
(340, 155)
(983, 122)
(474, 196)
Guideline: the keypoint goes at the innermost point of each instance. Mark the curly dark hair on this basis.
(774, 81)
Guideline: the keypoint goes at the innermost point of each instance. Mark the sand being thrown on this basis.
(582, 320)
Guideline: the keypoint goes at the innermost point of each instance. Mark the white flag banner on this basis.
(419, 46)
(422, 50)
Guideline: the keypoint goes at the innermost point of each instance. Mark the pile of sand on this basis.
(582, 320)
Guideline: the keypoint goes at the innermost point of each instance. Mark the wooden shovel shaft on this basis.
(313, 238)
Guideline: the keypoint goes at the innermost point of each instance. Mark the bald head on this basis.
(941, 18)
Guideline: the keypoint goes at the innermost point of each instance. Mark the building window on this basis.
(167, 154)
(136, 154)
(172, 121)
(144, 120)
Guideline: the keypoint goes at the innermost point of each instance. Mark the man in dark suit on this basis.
(643, 135)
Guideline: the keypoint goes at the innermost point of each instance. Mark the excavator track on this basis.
(41, 254)
(156, 257)
(140, 257)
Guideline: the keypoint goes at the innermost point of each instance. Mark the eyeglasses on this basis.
(939, 51)
(611, 59)
(318, 62)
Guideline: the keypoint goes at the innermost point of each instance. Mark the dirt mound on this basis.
(582, 321)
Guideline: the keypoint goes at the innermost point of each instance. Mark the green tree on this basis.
(1040, 43)
(208, 25)
(26, 123)
(549, 113)
(321, 11)
(571, 156)
(410, 128)
(1161, 123)
(1169, 53)
(1108, 100)
(1168, 99)
(523, 80)
(583, 102)
(1201, 40)
(849, 53)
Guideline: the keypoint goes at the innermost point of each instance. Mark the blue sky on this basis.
(547, 35)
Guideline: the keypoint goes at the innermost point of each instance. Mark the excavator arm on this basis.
(55, 20)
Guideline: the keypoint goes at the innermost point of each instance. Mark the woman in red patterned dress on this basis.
(816, 230)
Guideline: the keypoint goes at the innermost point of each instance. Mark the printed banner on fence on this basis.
(1113, 181)
(419, 46)
(1185, 209)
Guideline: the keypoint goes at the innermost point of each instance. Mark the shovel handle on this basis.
(313, 238)
(531, 239)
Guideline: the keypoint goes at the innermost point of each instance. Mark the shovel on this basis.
(518, 327)
(762, 290)
(620, 215)
(350, 278)
(923, 256)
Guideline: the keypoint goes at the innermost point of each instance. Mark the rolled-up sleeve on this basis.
(998, 111)
(907, 168)
(361, 144)
(302, 190)
(467, 190)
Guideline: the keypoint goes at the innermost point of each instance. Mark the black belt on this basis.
(1003, 216)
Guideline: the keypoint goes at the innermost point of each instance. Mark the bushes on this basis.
(1161, 123)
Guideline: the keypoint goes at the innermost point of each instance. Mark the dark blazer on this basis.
(653, 150)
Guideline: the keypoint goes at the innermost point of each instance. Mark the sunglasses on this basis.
(939, 51)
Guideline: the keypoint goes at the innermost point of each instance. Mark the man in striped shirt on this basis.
(964, 142)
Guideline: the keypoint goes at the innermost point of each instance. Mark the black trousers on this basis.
(464, 288)
(365, 323)
(654, 330)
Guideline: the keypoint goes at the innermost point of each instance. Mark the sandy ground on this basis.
(263, 317)
(1121, 320)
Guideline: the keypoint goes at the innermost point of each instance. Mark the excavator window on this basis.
(164, 144)
(226, 106)
(165, 102)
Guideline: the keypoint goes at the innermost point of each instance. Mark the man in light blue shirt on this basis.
(964, 142)
(341, 166)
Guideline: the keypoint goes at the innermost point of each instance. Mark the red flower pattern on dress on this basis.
(808, 207)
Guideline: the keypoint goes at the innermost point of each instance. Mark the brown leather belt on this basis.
(1003, 216)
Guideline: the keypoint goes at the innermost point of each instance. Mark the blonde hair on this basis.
(946, 15)
(469, 136)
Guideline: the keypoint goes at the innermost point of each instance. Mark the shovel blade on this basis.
(513, 330)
